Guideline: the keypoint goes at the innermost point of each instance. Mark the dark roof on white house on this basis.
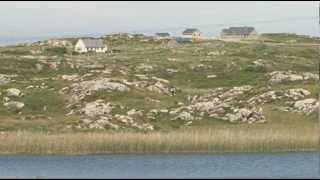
(238, 30)
(190, 31)
(93, 43)
(163, 34)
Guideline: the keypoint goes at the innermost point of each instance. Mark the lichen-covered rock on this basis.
(307, 105)
(39, 67)
(211, 76)
(200, 67)
(14, 106)
(6, 99)
(74, 77)
(280, 76)
(96, 108)
(13, 92)
(185, 116)
(134, 112)
(85, 88)
(236, 91)
(145, 67)
(270, 96)
(310, 76)
(105, 121)
(246, 115)
(160, 80)
(171, 71)
(208, 106)
(296, 94)
(4, 79)
(144, 126)
(124, 119)
(216, 53)
(130, 121)
(162, 88)
(219, 103)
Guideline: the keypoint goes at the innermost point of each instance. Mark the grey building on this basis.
(239, 32)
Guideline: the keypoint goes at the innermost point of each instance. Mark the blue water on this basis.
(15, 41)
(238, 165)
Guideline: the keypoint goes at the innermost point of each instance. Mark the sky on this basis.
(71, 18)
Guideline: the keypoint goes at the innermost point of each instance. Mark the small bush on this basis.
(255, 68)
(56, 51)
(75, 53)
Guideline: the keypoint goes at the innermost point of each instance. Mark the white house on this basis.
(90, 45)
(192, 33)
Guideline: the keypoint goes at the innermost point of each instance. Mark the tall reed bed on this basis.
(186, 141)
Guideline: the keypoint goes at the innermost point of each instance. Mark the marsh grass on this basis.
(284, 132)
(200, 140)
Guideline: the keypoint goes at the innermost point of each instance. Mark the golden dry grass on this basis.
(230, 139)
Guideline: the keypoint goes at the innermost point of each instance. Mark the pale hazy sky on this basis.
(26, 19)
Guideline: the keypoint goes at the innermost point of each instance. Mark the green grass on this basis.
(59, 51)
(289, 38)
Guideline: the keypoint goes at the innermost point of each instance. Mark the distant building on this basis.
(238, 33)
(192, 33)
(90, 45)
(159, 36)
(183, 40)
(138, 36)
(119, 35)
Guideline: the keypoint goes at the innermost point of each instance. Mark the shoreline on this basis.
(165, 153)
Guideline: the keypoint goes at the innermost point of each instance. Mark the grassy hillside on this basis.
(39, 71)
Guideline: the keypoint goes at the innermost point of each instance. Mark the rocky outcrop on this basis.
(85, 88)
(270, 96)
(13, 92)
(221, 104)
(200, 67)
(39, 67)
(211, 76)
(129, 121)
(134, 112)
(306, 106)
(74, 77)
(236, 91)
(282, 76)
(160, 80)
(185, 116)
(209, 107)
(162, 88)
(14, 106)
(216, 53)
(171, 71)
(103, 122)
(145, 67)
(5, 79)
(249, 115)
(97, 108)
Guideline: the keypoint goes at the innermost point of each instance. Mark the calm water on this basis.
(279, 165)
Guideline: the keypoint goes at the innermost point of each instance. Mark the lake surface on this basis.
(235, 165)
